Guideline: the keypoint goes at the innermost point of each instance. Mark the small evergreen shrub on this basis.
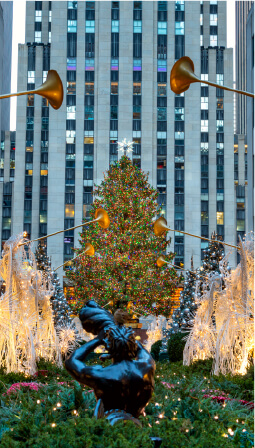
(155, 349)
(203, 367)
(175, 346)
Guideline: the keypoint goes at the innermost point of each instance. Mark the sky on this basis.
(19, 9)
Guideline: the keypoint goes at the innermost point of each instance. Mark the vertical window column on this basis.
(89, 109)
(12, 156)
(220, 142)
(179, 141)
(29, 141)
(137, 82)
(114, 98)
(162, 105)
(6, 211)
(43, 207)
(201, 23)
(38, 22)
(2, 156)
(70, 127)
(204, 153)
(49, 24)
(213, 24)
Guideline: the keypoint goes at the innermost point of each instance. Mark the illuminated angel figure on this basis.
(26, 319)
(202, 338)
(234, 315)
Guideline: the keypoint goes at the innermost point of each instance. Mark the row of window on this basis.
(179, 165)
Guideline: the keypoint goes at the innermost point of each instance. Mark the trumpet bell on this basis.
(101, 216)
(161, 261)
(182, 75)
(89, 249)
(160, 226)
(52, 89)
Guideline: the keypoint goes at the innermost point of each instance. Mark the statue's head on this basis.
(121, 344)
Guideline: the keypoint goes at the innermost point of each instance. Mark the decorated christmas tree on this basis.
(61, 309)
(187, 302)
(124, 272)
(213, 255)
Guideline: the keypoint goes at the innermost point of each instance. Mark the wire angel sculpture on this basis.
(234, 315)
(201, 340)
(223, 327)
(26, 320)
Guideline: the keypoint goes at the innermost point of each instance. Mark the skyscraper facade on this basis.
(115, 59)
(242, 9)
(6, 9)
(250, 117)
(7, 145)
(242, 168)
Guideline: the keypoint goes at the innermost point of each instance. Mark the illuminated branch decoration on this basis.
(224, 323)
(26, 320)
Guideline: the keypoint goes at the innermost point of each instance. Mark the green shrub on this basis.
(155, 349)
(203, 367)
(175, 347)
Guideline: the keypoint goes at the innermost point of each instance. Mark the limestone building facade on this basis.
(115, 59)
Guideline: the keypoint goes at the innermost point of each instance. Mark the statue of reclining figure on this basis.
(123, 388)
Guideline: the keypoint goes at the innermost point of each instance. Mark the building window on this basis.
(38, 36)
(90, 26)
(137, 26)
(179, 28)
(213, 19)
(213, 41)
(115, 26)
(162, 28)
(72, 26)
(38, 16)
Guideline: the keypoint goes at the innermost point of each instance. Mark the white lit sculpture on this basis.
(26, 321)
(234, 315)
(223, 327)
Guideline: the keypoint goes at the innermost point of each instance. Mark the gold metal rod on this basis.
(68, 261)
(187, 270)
(242, 92)
(8, 95)
(56, 233)
(203, 238)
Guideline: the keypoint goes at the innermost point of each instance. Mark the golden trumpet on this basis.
(161, 261)
(182, 75)
(51, 89)
(89, 250)
(160, 226)
(101, 217)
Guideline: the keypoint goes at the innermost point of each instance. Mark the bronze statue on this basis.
(123, 388)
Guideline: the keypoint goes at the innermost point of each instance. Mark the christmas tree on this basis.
(195, 283)
(61, 309)
(124, 272)
(213, 255)
(187, 302)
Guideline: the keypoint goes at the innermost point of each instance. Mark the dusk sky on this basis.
(19, 9)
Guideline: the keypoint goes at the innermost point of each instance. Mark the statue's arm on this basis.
(78, 369)
(144, 356)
